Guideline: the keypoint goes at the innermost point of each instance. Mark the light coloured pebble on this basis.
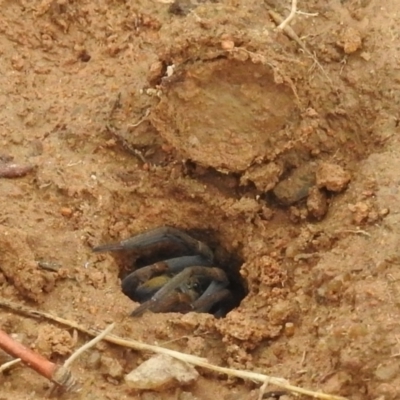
(161, 372)
(332, 177)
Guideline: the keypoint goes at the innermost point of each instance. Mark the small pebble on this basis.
(289, 329)
(227, 44)
(13, 170)
(66, 212)
(161, 372)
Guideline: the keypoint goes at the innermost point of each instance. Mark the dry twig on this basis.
(88, 345)
(291, 34)
(263, 388)
(111, 129)
(197, 361)
(9, 364)
(293, 10)
(355, 231)
(53, 390)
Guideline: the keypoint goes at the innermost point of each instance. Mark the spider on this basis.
(189, 282)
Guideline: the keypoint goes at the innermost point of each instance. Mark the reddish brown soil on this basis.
(229, 109)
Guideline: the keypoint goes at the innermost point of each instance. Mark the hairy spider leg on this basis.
(164, 236)
(215, 293)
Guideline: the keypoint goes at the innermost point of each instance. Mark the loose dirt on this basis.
(125, 116)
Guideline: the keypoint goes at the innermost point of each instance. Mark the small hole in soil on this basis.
(230, 263)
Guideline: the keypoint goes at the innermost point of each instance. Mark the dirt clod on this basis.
(317, 204)
(52, 341)
(350, 40)
(332, 177)
(111, 368)
(296, 186)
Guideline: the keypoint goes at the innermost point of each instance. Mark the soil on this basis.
(283, 155)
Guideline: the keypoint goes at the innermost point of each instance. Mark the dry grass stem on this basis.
(291, 34)
(355, 231)
(307, 13)
(194, 360)
(263, 388)
(56, 388)
(88, 345)
(293, 10)
(112, 130)
(146, 114)
(9, 364)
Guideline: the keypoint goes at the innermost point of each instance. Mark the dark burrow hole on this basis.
(130, 261)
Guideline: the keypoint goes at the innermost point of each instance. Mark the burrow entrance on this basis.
(148, 267)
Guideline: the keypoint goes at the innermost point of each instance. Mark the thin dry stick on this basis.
(9, 364)
(88, 345)
(119, 138)
(263, 388)
(91, 332)
(146, 114)
(80, 351)
(355, 231)
(198, 361)
(291, 34)
(56, 373)
(293, 10)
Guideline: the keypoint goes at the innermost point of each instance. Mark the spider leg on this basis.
(215, 293)
(177, 282)
(164, 237)
(140, 286)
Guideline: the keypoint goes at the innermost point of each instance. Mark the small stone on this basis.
(289, 329)
(365, 55)
(332, 177)
(66, 212)
(360, 212)
(227, 44)
(384, 212)
(160, 373)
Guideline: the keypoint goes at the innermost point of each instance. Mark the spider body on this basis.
(190, 282)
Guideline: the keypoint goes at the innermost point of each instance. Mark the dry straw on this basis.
(194, 360)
